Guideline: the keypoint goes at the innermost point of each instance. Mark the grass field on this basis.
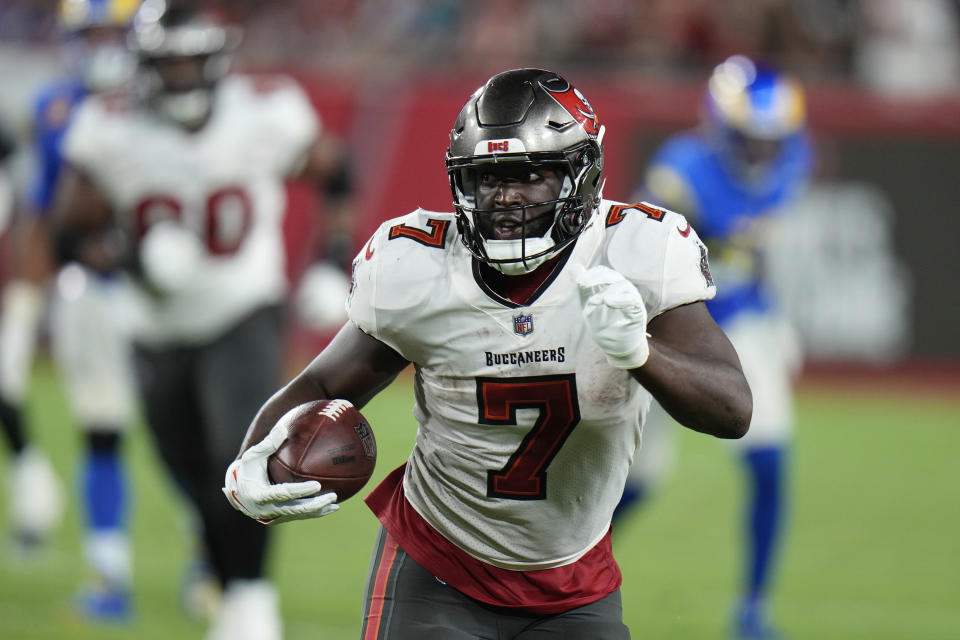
(873, 549)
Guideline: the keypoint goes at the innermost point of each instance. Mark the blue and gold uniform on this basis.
(727, 189)
(733, 177)
(53, 109)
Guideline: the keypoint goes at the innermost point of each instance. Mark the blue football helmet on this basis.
(94, 37)
(752, 112)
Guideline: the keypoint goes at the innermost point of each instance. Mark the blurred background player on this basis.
(183, 184)
(732, 177)
(34, 500)
(90, 352)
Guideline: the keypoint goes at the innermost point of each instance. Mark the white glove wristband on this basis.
(170, 256)
(249, 490)
(615, 315)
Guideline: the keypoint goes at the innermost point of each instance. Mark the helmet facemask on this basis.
(188, 102)
(544, 228)
(542, 134)
(183, 55)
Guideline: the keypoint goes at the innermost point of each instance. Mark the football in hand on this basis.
(328, 441)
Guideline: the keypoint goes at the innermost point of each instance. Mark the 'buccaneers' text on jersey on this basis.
(525, 433)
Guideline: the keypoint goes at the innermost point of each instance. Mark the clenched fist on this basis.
(615, 315)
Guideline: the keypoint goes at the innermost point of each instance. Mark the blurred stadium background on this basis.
(867, 267)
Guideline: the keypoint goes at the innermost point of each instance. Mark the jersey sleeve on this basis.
(659, 251)
(84, 143)
(362, 300)
(289, 121)
(393, 279)
(686, 269)
(51, 113)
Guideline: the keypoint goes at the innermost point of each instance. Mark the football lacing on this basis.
(335, 408)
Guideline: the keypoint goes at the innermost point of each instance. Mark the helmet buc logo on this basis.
(532, 118)
(576, 105)
(503, 145)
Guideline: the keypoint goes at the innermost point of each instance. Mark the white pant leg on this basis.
(22, 310)
(656, 457)
(91, 344)
(769, 356)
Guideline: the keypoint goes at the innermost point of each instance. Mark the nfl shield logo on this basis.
(522, 325)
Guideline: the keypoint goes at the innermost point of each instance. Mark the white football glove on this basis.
(615, 315)
(170, 256)
(322, 296)
(249, 490)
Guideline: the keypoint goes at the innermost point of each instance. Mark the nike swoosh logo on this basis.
(685, 231)
(369, 251)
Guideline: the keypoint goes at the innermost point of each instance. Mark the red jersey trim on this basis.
(543, 591)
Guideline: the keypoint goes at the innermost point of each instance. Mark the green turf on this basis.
(873, 549)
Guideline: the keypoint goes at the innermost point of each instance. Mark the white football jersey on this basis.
(525, 432)
(224, 183)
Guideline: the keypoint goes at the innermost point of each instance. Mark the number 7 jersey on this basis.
(525, 432)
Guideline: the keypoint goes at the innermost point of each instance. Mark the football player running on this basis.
(750, 159)
(87, 339)
(184, 184)
(540, 320)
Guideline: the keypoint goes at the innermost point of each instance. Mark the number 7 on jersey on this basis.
(524, 477)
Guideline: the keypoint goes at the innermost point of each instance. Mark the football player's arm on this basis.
(34, 261)
(666, 187)
(694, 372)
(327, 278)
(354, 366)
(7, 145)
(328, 166)
(82, 220)
(682, 356)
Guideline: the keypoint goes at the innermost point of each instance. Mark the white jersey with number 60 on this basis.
(525, 432)
(223, 183)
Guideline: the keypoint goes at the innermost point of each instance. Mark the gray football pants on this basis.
(199, 401)
(403, 601)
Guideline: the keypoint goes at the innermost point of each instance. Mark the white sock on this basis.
(108, 554)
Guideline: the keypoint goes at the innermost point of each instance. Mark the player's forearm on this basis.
(299, 390)
(354, 367)
(704, 394)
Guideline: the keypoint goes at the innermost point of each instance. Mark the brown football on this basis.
(328, 441)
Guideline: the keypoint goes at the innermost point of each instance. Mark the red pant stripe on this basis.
(377, 596)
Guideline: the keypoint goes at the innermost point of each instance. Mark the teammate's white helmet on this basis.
(535, 117)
